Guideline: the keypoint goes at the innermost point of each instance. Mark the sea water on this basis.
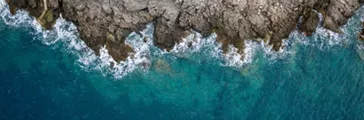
(53, 75)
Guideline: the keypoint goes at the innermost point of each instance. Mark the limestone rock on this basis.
(134, 5)
(233, 20)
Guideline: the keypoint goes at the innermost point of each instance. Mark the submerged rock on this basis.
(162, 66)
(232, 20)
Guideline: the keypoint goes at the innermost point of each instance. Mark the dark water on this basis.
(317, 81)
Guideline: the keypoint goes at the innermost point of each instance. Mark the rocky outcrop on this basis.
(109, 22)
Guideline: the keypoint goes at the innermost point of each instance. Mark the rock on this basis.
(111, 37)
(310, 22)
(107, 8)
(32, 3)
(331, 25)
(338, 12)
(233, 20)
(361, 34)
(18, 3)
(134, 5)
(49, 16)
(53, 4)
(119, 52)
(162, 66)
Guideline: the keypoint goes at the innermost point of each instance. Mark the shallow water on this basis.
(52, 75)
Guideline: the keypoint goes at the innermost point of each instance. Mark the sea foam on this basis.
(65, 33)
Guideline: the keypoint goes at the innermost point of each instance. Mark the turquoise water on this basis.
(54, 78)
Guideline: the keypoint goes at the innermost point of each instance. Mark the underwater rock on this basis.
(232, 20)
(162, 66)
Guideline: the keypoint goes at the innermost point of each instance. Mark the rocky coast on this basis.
(109, 22)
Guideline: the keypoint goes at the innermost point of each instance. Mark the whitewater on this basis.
(52, 74)
(65, 32)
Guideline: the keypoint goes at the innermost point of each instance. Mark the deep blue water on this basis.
(317, 81)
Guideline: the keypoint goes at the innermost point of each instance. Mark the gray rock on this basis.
(134, 5)
(32, 3)
(53, 4)
(233, 20)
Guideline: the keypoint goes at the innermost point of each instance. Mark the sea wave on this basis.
(195, 43)
(65, 33)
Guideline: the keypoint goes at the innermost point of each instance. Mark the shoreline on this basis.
(109, 22)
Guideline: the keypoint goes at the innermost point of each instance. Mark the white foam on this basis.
(142, 46)
(360, 46)
(234, 59)
(323, 39)
(66, 33)
(140, 59)
(195, 43)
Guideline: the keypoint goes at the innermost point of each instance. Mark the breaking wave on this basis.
(65, 33)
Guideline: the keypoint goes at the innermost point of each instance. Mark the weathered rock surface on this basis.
(109, 22)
